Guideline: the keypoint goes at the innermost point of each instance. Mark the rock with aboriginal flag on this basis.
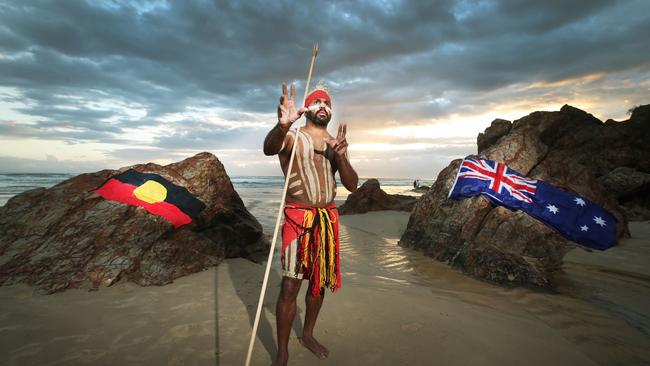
(155, 194)
(79, 234)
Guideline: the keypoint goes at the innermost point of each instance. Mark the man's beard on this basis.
(321, 121)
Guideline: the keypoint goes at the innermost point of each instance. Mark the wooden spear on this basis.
(277, 222)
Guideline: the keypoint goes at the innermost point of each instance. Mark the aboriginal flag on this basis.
(156, 194)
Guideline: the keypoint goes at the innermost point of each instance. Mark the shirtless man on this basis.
(310, 248)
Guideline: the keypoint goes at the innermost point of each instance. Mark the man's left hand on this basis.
(340, 144)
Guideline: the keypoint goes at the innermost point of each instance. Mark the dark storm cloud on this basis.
(413, 60)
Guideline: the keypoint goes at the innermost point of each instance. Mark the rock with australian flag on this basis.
(575, 217)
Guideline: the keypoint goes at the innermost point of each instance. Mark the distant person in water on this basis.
(310, 242)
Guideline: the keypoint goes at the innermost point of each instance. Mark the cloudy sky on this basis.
(104, 84)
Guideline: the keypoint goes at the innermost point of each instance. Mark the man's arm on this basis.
(274, 140)
(349, 177)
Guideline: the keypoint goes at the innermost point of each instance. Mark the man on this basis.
(310, 248)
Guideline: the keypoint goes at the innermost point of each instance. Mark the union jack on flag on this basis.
(573, 216)
(500, 178)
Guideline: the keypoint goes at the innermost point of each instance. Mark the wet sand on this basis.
(396, 307)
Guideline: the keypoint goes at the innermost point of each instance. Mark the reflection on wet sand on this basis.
(601, 302)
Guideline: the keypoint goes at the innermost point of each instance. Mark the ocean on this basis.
(260, 194)
(15, 183)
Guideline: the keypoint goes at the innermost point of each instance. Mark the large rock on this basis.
(370, 197)
(498, 128)
(632, 189)
(69, 237)
(626, 183)
(570, 149)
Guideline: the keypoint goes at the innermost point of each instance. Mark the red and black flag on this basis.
(156, 194)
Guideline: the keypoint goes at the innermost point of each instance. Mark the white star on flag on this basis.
(553, 209)
(584, 228)
(579, 201)
(599, 220)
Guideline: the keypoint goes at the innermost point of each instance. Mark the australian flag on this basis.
(576, 218)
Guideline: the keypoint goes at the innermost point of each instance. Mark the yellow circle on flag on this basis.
(151, 192)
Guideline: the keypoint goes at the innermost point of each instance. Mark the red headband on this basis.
(318, 93)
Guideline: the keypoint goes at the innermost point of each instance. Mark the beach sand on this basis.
(396, 307)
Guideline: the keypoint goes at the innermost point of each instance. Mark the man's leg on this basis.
(313, 304)
(285, 311)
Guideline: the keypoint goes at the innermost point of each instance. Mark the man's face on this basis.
(320, 112)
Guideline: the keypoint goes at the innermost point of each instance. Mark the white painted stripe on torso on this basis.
(328, 179)
(296, 182)
(296, 145)
(326, 187)
(310, 174)
(314, 171)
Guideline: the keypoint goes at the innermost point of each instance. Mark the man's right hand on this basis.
(287, 111)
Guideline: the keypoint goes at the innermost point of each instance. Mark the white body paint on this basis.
(312, 178)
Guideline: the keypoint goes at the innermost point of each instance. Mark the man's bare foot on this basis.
(281, 360)
(316, 348)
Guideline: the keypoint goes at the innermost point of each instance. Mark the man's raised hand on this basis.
(340, 144)
(287, 111)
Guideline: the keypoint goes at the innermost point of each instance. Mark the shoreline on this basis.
(396, 307)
